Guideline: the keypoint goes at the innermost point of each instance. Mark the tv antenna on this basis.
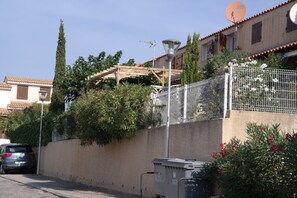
(152, 45)
(235, 12)
(293, 13)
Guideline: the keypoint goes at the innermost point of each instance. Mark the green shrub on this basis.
(262, 166)
(24, 126)
(112, 114)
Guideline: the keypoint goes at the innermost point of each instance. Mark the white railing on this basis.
(266, 90)
(248, 89)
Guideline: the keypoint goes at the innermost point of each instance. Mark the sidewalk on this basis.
(64, 189)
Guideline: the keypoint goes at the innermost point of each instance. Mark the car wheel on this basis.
(2, 170)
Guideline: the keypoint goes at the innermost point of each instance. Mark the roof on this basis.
(19, 105)
(4, 112)
(4, 85)
(240, 22)
(249, 18)
(28, 80)
(275, 49)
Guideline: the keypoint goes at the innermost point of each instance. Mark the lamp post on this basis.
(171, 47)
(42, 96)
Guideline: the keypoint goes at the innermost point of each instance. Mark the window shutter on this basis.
(22, 92)
(290, 25)
(256, 32)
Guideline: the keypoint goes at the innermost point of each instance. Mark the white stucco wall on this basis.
(5, 98)
(33, 93)
(13, 92)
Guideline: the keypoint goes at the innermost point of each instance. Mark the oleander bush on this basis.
(263, 166)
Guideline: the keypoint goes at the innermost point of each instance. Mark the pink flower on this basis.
(235, 144)
(223, 153)
(295, 136)
(275, 147)
(288, 136)
(222, 145)
(214, 154)
(270, 139)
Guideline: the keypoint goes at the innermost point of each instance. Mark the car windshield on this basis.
(18, 149)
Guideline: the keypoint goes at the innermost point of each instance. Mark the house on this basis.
(258, 35)
(18, 93)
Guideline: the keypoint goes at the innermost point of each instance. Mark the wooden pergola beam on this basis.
(119, 72)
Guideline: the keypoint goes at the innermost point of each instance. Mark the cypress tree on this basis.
(192, 72)
(57, 100)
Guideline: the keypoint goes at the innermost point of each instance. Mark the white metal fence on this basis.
(198, 101)
(266, 90)
(251, 89)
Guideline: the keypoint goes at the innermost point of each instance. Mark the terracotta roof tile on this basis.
(19, 105)
(230, 26)
(4, 112)
(275, 49)
(4, 85)
(28, 80)
(249, 18)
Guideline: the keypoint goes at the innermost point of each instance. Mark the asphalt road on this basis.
(33, 186)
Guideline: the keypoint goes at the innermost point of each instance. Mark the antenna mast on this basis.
(235, 12)
(152, 44)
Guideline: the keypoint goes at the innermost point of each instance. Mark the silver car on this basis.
(17, 157)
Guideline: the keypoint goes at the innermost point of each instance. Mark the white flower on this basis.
(235, 65)
(253, 89)
(258, 79)
(263, 66)
(254, 62)
(234, 60)
(246, 86)
(275, 80)
(266, 89)
(243, 64)
(273, 90)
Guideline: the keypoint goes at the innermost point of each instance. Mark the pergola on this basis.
(120, 72)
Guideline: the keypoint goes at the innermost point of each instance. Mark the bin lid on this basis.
(185, 164)
(160, 161)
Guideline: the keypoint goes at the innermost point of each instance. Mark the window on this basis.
(48, 90)
(256, 32)
(22, 92)
(290, 25)
(230, 42)
(207, 50)
(179, 61)
(204, 52)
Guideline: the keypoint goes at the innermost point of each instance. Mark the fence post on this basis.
(154, 98)
(230, 87)
(185, 103)
(225, 94)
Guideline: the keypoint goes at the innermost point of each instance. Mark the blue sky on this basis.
(29, 29)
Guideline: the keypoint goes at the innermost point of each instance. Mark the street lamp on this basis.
(42, 96)
(171, 47)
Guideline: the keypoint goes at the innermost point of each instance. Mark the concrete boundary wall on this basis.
(118, 166)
